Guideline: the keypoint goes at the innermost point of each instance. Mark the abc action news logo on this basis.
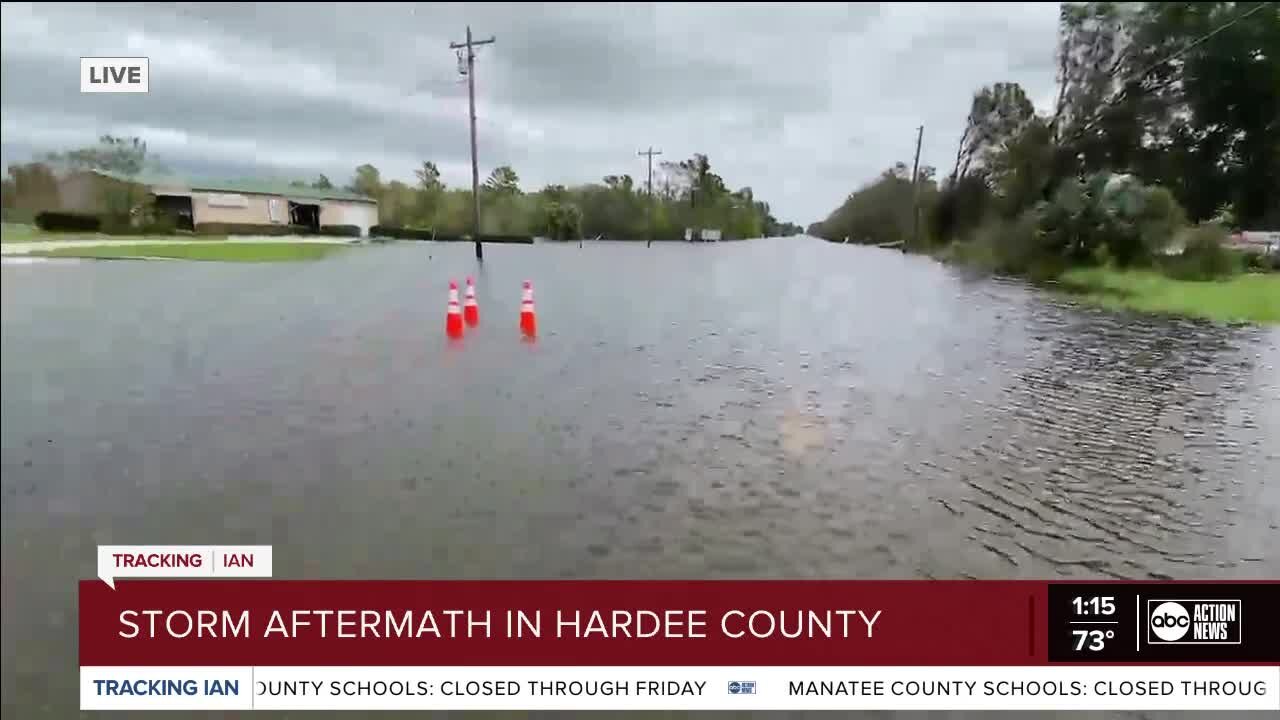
(1194, 622)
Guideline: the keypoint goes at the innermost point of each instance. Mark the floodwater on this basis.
(775, 408)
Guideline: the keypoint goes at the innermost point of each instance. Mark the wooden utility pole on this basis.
(469, 46)
(915, 194)
(650, 152)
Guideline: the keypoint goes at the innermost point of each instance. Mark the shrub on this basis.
(21, 216)
(562, 221)
(1137, 221)
(1205, 257)
(960, 208)
(1015, 247)
(1159, 221)
(219, 228)
(1109, 218)
(115, 224)
(340, 230)
(159, 224)
(1253, 262)
(401, 233)
(1260, 262)
(978, 252)
(68, 222)
(1072, 223)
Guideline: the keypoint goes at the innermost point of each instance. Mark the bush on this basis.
(960, 208)
(68, 222)
(401, 233)
(1013, 247)
(114, 224)
(1259, 262)
(21, 216)
(1109, 218)
(1253, 262)
(159, 225)
(562, 221)
(219, 228)
(1160, 219)
(340, 230)
(1205, 256)
(1072, 224)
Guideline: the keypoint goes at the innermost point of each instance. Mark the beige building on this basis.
(249, 202)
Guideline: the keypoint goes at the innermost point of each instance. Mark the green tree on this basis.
(429, 177)
(367, 181)
(503, 181)
(125, 203)
(429, 195)
(1231, 85)
(997, 113)
(322, 183)
(31, 188)
(1019, 171)
(1092, 48)
(125, 156)
(399, 205)
(1183, 93)
(882, 211)
(554, 193)
(561, 221)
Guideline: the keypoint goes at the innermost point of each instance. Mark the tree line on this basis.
(31, 188)
(686, 194)
(1164, 114)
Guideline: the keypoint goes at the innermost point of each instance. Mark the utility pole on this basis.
(650, 152)
(469, 45)
(915, 194)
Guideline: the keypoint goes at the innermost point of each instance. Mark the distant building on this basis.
(256, 202)
(702, 235)
(1259, 241)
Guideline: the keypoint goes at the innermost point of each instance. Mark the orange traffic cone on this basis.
(453, 321)
(470, 310)
(528, 317)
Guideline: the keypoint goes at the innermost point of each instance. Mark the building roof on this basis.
(253, 186)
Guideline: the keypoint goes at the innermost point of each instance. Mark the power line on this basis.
(1123, 91)
(1197, 41)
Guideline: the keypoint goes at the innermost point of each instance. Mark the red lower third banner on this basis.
(678, 645)
(198, 622)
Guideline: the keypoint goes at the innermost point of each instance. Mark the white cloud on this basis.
(801, 102)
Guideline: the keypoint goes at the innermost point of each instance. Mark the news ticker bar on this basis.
(681, 688)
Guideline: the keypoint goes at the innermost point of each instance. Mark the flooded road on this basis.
(776, 408)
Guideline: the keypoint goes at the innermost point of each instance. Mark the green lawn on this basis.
(20, 233)
(222, 251)
(1243, 298)
(17, 232)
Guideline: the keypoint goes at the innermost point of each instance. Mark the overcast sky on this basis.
(801, 102)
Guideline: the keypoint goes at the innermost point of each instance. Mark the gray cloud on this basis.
(801, 102)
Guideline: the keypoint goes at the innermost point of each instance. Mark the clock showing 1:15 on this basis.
(1095, 605)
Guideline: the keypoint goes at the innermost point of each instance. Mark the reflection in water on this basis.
(779, 408)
